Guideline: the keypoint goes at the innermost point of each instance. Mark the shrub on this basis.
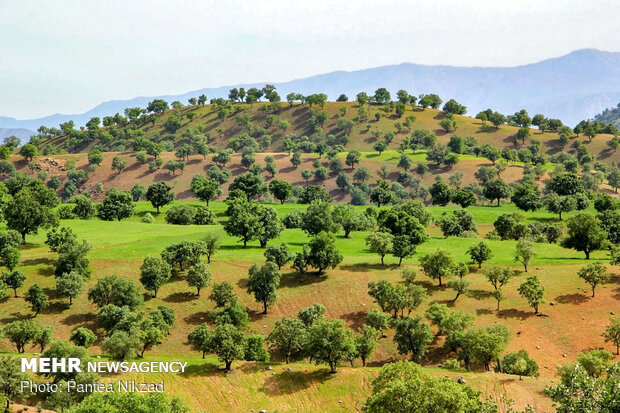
(512, 365)
(147, 218)
(452, 364)
(180, 215)
(204, 216)
(66, 212)
(293, 219)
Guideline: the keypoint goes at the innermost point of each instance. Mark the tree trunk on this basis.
(382, 260)
(228, 364)
(287, 358)
(593, 292)
(364, 361)
(203, 354)
(457, 296)
(198, 291)
(400, 261)
(245, 242)
(154, 293)
(23, 237)
(479, 265)
(332, 367)
(71, 301)
(587, 254)
(500, 368)
(264, 307)
(440, 281)
(157, 209)
(15, 290)
(525, 266)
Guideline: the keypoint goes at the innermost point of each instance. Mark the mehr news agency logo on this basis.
(74, 365)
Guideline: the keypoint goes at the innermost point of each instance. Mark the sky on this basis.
(67, 56)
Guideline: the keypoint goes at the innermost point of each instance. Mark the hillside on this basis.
(610, 115)
(572, 87)
(203, 121)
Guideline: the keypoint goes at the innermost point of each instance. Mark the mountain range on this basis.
(573, 87)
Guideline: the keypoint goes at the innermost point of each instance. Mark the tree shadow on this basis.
(366, 267)
(479, 294)
(37, 261)
(514, 313)
(197, 318)
(484, 311)
(84, 318)
(289, 382)
(181, 297)
(295, 279)
(575, 298)
(16, 316)
(354, 319)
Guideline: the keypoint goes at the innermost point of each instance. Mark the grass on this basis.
(573, 324)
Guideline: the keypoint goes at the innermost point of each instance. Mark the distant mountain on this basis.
(21, 133)
(572, 87)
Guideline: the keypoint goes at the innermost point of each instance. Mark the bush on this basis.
(66, 212)
(147, 218)
(204, 216)
(452, 364)
(511, 366)
(293, 219)
(180, 215)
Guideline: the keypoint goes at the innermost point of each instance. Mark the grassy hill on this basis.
(204, 121)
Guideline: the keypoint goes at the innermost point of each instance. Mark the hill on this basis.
(572, 87)
(610, 116)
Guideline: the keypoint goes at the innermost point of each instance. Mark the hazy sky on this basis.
(67, 56)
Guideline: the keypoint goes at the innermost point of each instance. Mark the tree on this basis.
(200, 339)
(557, 204)
(366, 342)
(118, 164)
(280, 189)
(527, 197)
(329, 342)
(323, 253)
(11, 379)
(380, 243)
(533, 292)
(116, 205)
(204, 188)
(29, 151)
(44, 336)
(594, 274)
(480, 253)
(460, 286)
(83, 337)
(154, 273)
(412, 336)
(243, 221)
(403, 387)
(584, 234)
(21, 332)
(382, 194)
(441, 193)
(380, 147)
(405, 162)
(312, 314)
(288, 336)
(263, 283)
(403, 246)
(439, 264)
(70, 285)
(252, 185)
(211, 243)
(280, 254)
(497, 189)
(37, 298)
(353, 158)
(498, 276)
(117, 291)
(26, 214)
(612, 333)
(121, 345)
(84, 207)
(524, 252)
(10, 257)
(228, 343)
(490, 343)
(14, 280)
(199, 276)
(378, 320)
(159, 194)
(613, 178)
(222, 294)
